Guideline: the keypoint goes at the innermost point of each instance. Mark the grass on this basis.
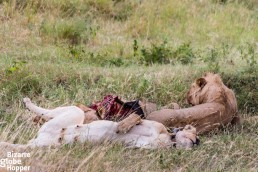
(68, 52)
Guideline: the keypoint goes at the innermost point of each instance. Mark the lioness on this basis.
(214, 105)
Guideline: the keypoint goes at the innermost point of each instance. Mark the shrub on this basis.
(156, 54)
(184, 54)
(212, 60)
(72, 30)
(118, 9)
(20, 83)
(17, 65)
(249, 55)
(164, 54)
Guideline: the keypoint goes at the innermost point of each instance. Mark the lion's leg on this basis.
(32, 107)
(41, 117)
(90, 114)
(50, 133)
(67, 116)
(126, 124)
(168, 117)
(48, 114)
(198, 116)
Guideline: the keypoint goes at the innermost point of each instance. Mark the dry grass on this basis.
(231, 149)
(76, 51)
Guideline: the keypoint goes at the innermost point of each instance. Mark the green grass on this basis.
(69, 51)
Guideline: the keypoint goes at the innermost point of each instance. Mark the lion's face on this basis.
(187, 138)
(193, 95)
(206, 89)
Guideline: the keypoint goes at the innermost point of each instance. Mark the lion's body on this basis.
(64, 125)
(214, 105)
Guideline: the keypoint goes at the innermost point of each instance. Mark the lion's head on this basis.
(187, 138)
(210, 88)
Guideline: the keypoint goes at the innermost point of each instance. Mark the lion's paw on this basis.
(26, 100)
(125, 125)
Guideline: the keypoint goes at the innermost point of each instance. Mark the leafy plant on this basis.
(123, 9)
(76, 52)
(184, 54)
(156, 54)
(15, 67)
(163, 54)
(212, 60)
(135, 48)
(74, 31)
(248, 53)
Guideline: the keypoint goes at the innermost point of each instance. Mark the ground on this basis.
(76, 51)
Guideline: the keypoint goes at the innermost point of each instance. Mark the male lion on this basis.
(213, 103)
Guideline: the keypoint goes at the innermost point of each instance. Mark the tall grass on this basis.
(65, 52)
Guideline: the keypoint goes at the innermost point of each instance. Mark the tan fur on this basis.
(213, 103)
(126, 124)
(84, 108)
(186, 137)
(66, 127)
(40, 120)
(147, 107)
(90, 114)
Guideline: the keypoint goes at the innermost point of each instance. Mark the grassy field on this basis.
(63, 52)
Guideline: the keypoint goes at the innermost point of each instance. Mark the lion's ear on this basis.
(201, 82)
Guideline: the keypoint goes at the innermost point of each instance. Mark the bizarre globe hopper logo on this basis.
(13, 162)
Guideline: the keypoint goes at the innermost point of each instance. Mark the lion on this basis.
(65, 125)
(213, 105)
